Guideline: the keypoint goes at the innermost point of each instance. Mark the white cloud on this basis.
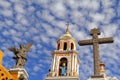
(58, 9)
(9, 22)
(19, 8)
(97, 17)
(5, 4)
(5, 33)
(110, 29)
(31, 9)
(22, 19)
(90, 4)
(107, 3)
(45, 15)
(6, 12)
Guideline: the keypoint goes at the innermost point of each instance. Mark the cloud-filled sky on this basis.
(44, 21)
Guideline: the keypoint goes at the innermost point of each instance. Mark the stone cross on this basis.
(95, 42)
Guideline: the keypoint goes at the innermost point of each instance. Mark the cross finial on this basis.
(95, 31)
(67, 30)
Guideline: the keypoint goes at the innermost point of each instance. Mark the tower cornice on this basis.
(64, 52)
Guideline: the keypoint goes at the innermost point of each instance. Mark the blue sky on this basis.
(44, 21)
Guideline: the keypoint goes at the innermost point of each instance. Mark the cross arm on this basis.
(85, 42)
(106, 40)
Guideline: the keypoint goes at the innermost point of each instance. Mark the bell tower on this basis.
(65, 61)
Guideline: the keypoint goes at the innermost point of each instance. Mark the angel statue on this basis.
(20, 54)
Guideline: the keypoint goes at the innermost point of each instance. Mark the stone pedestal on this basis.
(105, 78)
(98, 78)
(101, 76)
(19, 73)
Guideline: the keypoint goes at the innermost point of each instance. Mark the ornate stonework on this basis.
(20, 54)
(66, 54)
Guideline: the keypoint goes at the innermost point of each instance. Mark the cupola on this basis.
(66, 42)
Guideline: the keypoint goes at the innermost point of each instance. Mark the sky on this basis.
(44, 21)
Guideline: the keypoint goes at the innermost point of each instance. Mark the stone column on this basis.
(61, 45)
(72, 64)
(68, 45)
(53, 64)
(68, 66)
(57, 64)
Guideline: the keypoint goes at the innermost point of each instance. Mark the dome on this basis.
(66, 36)
(66, 42)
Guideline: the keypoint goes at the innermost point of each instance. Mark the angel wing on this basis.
(22, 46)
(14, 49)
(28, 46)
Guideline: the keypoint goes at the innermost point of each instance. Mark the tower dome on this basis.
(66, 36)
(66, 42)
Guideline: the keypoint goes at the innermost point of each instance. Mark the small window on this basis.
(65, 46)
(72, 46)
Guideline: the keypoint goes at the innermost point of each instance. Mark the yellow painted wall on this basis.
(1, 56)
(15, 75)
(4, 74)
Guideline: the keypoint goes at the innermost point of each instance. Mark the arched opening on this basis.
(65, 46)
(58, 47)
(72, 46)
(63, 67)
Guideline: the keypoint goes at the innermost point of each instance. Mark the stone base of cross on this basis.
(94, 76)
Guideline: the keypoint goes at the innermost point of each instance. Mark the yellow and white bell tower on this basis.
(65, 61)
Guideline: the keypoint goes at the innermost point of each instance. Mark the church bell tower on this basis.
(65, 61)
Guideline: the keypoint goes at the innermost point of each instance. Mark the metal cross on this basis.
(95, 42)
(67, 24)
(67, 30)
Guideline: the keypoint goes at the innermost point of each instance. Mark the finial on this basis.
(67, 30)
